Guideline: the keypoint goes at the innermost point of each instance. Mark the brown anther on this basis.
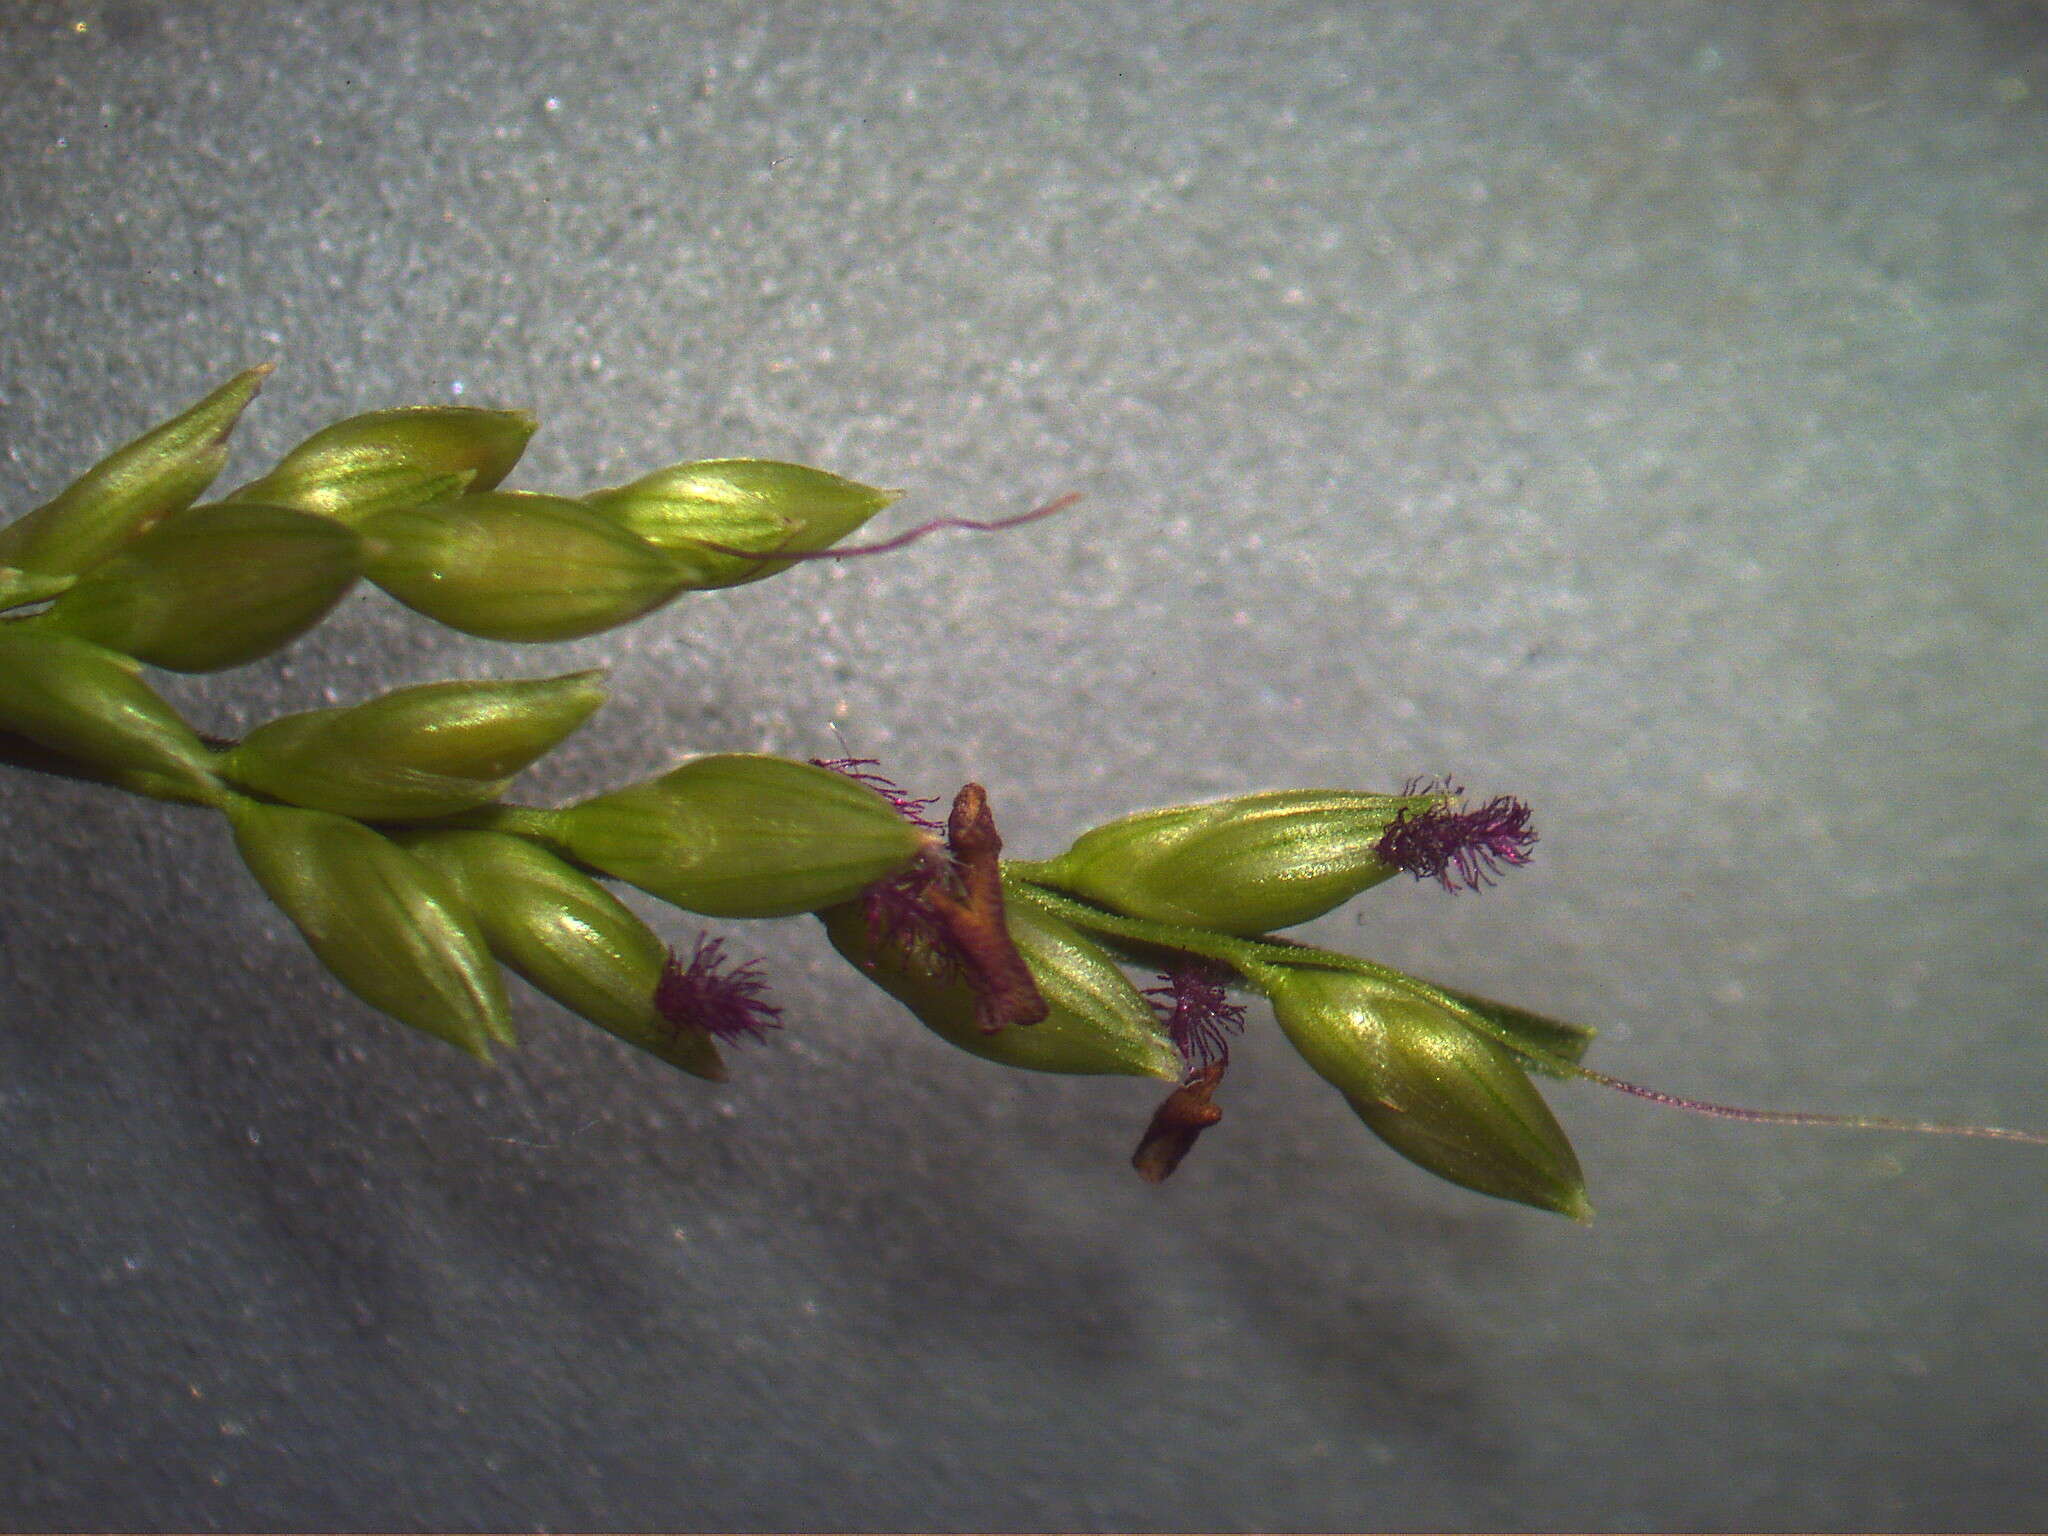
(1184, 1115)
(971, 909)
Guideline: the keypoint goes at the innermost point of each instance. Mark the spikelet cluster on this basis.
(381, 829)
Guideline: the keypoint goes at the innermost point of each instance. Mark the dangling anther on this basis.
(970, 906)
(1184, 1115)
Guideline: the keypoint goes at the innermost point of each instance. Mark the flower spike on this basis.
(379, 831)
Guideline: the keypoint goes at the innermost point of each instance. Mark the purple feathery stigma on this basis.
(728, 1004)
(896, 909)
(861, 770)
(899, 911)
(1459, 849)
(1199, 1016)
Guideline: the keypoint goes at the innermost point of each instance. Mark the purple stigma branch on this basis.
(727, 1002)
(1459, 849)
(899, 908)
(1198, 1014)
(862, 770)
(899, 911)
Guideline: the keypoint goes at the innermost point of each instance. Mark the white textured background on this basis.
(1640, 410)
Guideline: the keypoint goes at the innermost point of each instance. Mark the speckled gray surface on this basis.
(1641, 410)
